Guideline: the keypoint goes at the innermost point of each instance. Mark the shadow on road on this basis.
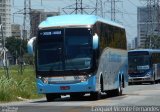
(84, 98)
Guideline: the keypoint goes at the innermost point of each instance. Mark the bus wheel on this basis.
(51, 97)
(95, 95)
(154, 81)
(118, 91)
(110, 93)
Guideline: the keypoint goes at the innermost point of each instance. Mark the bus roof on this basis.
(148, 50)
(75, 20)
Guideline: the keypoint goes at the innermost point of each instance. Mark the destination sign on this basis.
(138, 53)
(49, 33)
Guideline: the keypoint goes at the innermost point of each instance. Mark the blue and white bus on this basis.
(79, 54)
(144, 66)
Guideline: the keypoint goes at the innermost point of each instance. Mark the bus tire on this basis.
(95, 95)
(119, 90)
(51, 97)
(154, 81)
(110, 93)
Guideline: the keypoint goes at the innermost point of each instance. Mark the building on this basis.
(5, 14)
(38, 15)
(16, 30)
(134, 43)
(147, 24)
(129, 46)
(5, 22)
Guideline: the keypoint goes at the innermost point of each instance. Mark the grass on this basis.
(18, 85)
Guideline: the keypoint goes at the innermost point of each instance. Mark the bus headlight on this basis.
(148, 74)
(82, 78)
(43, 79)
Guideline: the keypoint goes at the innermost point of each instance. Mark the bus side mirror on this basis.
(31, 45)
(95, 50)
(95, 42)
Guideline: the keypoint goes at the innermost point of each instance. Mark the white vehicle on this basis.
(78, 54)
(144, 66)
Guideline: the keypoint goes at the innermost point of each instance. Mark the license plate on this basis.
(64, 87)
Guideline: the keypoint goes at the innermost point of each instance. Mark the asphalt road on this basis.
(134, 98)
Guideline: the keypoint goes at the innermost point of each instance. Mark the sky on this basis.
(126, 11)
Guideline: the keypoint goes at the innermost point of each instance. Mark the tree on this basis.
(16, 46)
(28, 59)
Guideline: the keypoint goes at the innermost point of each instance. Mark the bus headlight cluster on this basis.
(78, 78)
(82, 78)
(148, 74)
(44, 79)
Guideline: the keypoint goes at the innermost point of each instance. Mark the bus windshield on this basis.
(64, 49)
(138, 62)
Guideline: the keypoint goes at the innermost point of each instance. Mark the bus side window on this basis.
(155, 58)
(111, 36)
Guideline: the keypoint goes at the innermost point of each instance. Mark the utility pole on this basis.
(78, 8)
(158, 16)
(26, 19)
(41, 3)
(26, 11)
(113, 11)
(3, 52)
(26, 29)
(153, 23)
(157, 25)
(150, 21)
(99, 8)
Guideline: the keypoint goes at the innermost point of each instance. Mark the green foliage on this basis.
(28, 59)
(23, 86)
(16, 46)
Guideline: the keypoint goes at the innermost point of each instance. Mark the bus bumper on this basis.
(86, 87)
(140, 79)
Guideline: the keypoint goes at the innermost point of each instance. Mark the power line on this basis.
(99, 8)
(92, 2)
(152, 23)
(132, 3)
(26, 18)
(78, 8)
(113, 9)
